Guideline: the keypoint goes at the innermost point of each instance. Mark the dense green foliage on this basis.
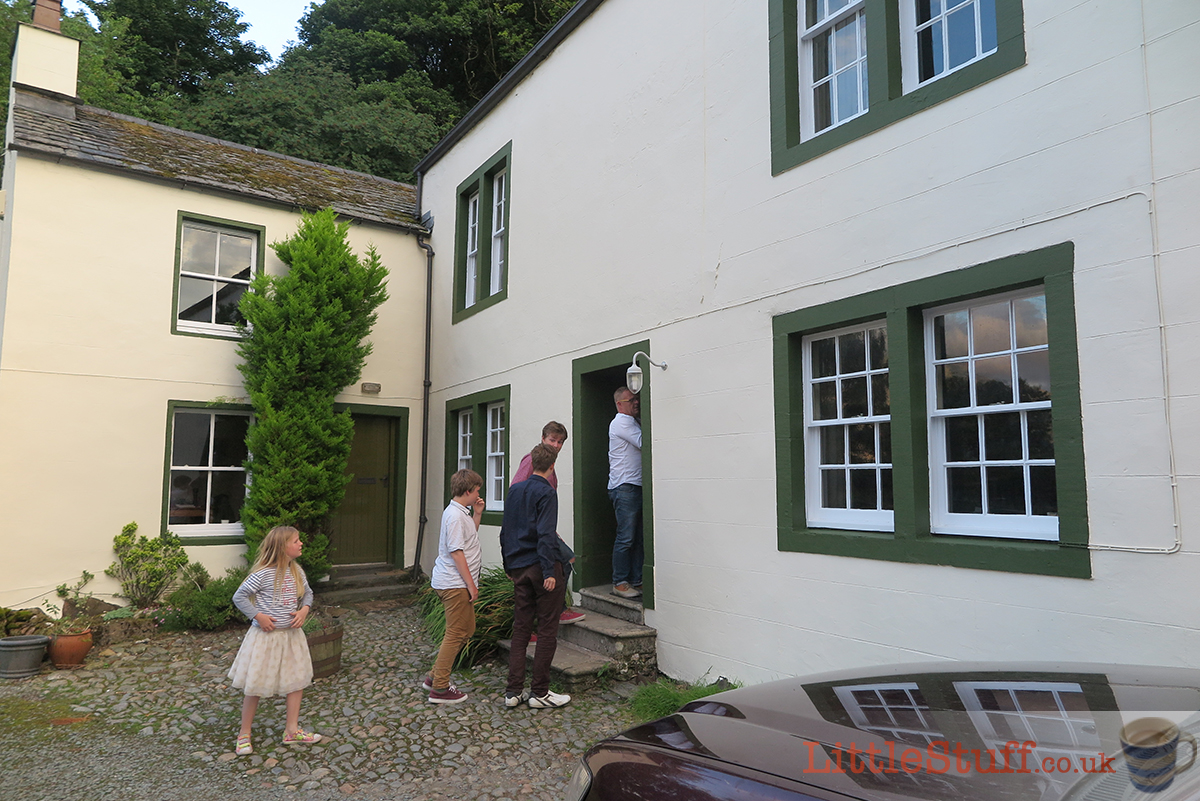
(493, 615)
(145, 567)
(304, 340)
(202, 602)
(177, 45)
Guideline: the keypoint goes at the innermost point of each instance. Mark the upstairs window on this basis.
(481, 252)
(835, 67)
(214, 266)
(942, 36)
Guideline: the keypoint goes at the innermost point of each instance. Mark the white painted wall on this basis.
(89, 363)
(643, 206)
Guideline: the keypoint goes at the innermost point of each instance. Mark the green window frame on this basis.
(210, 466)
(190, 276)
(888, 99)
(488, 450)
(481, 236)
(903, 308)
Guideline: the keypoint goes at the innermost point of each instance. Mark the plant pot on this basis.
(22, 656)
(325, 648)
(69, 650)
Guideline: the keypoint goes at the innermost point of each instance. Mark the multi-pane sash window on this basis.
(215, 268)
(992, 469)
(499, 231)
(464, 440)
(496, 480)
(472, 277)
(208, 480)
(834, 68)
(847, 410)
(949, 34)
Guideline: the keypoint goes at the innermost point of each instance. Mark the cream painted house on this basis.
(931, 337)
(125, 247)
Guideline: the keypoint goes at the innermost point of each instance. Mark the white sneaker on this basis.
(514, 701)
(550, 700)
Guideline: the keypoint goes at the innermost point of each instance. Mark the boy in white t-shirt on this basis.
(456, 580)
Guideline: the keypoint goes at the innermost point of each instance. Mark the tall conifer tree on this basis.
(303, 342)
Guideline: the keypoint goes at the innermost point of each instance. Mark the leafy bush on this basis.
(493, 615)
(665, 697)
(145, 567)
(203, 602)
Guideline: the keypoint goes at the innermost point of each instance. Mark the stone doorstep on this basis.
(600, 599)
(609, 636)
(573, 668)
(340, 579)
(369, 593)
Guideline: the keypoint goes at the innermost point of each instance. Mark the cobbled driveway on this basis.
(157, 720)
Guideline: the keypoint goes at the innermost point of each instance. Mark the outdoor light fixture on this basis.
(633, 376)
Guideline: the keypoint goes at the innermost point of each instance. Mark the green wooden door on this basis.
(362, 526)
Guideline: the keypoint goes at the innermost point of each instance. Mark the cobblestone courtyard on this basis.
(157, 720)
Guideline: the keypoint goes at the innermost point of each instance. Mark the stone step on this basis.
(600, 599)
(367, 593)
(573, 668)
(609, 636)
(385, 576)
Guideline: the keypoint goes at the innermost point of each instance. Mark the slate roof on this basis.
(61, 127)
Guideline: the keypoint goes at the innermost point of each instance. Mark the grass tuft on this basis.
(665, 696)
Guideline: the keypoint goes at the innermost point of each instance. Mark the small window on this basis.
(835, 62)
(848, 424)
(207, 477)
(947, 35)
(215, 266)
(487, 454)
(496, 479)
(481, 252)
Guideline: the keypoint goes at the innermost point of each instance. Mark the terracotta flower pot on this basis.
(69, 650)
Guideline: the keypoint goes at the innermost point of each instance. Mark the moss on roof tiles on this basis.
(125, 143)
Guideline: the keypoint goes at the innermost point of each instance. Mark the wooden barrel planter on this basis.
(325, 648)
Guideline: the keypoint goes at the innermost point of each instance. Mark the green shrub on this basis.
(145, 567)
(203, 602)
(493, 615)
(665, 697)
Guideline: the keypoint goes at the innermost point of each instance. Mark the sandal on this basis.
(243, 746)
(301, 736)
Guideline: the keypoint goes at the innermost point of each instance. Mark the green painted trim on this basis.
(172, 406)
(888, 103)
(480, 181)
(399, 469)
(902, 306)
(260, 257)
(617, 357)
(478, 403)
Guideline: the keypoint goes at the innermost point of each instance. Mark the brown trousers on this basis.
(460, 625)
(531, 598)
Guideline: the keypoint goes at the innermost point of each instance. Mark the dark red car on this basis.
(1039, 732)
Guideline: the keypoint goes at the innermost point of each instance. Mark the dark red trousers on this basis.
(532, 599)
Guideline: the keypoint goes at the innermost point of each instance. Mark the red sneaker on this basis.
(450, 695)
(570, 616)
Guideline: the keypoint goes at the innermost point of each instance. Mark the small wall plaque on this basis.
(370, 388)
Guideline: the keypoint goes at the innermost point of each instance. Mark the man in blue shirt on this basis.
(529, 545)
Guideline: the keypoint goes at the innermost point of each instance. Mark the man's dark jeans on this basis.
(531, 598)
(627, 546)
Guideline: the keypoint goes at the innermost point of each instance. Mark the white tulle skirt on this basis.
(272, 662)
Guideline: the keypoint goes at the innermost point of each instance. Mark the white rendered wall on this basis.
(643, 206)
(89, 364)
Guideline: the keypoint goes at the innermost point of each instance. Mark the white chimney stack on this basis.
(43, 57)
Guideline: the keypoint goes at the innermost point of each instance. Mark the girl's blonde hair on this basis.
(271, 554)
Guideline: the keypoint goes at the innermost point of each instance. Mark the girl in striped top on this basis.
(274, 658)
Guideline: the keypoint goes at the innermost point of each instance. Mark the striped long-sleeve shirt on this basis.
(278, 606)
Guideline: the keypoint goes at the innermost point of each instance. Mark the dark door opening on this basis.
(365, 528)
(595, 378)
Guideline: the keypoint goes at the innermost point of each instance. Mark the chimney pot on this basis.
(47, 15)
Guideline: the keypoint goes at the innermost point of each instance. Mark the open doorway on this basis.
(594, 379)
